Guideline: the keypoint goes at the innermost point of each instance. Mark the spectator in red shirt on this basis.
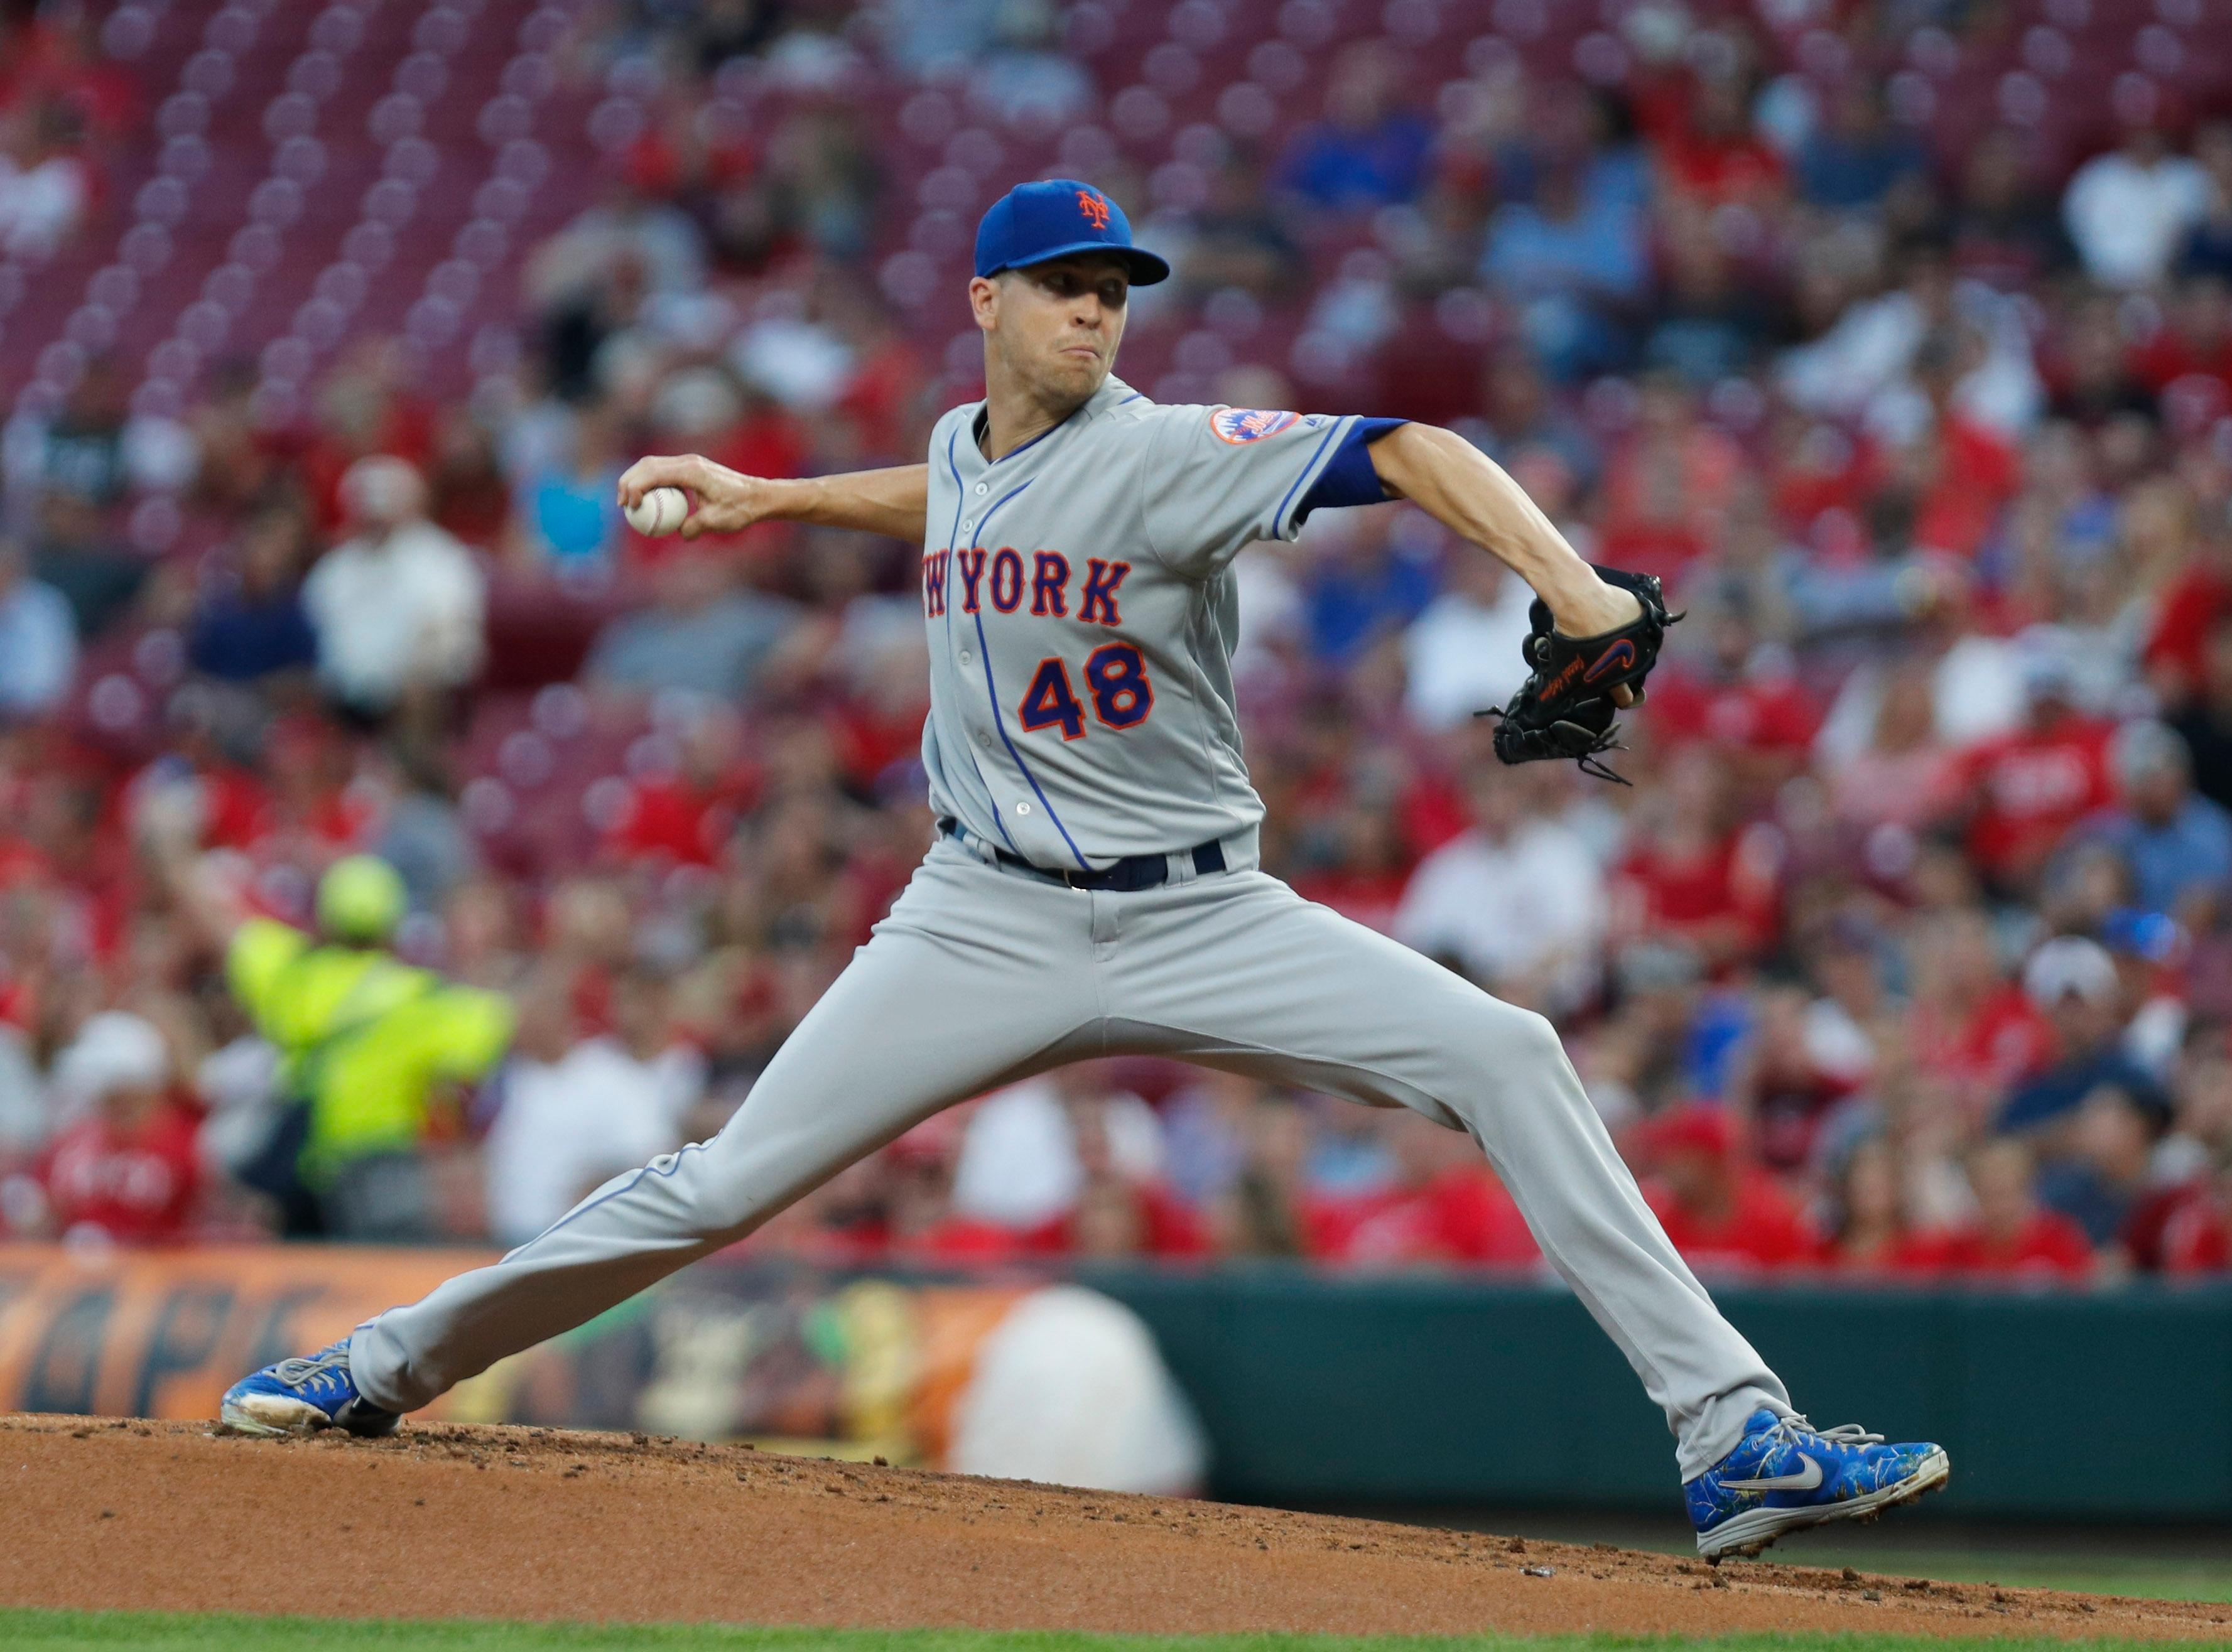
(2026, 789)
(126, 1170)
(1869, 1230)
(1716, 156)
(1723, 1214)
(1963, 471)
(1692, 877)
(1971, 1022)
(919, 1223)
(1745, 701)
(686, 819)
(1119, 1212)
(2193, 351)
(2013, 1237)
(2197, 1236)
(1444, 1206)
(2197, 600)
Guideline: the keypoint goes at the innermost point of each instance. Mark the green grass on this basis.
(46, 1631)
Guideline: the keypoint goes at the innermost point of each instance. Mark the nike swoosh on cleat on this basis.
(1807, 1479)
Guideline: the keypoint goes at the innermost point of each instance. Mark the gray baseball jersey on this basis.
(1082, 615)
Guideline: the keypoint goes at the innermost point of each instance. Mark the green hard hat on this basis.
(361, 898)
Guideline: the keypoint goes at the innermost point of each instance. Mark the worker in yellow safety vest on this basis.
(370, 1045)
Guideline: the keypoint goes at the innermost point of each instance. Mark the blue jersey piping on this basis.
(992, 692)
(952, 533)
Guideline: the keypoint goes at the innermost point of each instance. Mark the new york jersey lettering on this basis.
(1101, 581)
(971, 564)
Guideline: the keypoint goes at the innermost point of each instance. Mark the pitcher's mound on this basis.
(446, 1522)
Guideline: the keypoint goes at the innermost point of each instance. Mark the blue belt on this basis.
(1133, 871)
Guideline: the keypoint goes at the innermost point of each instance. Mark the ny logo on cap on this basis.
(1095, 209)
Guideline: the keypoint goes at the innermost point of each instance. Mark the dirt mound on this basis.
(447, 1521)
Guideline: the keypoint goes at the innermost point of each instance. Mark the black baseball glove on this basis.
(1567, 709)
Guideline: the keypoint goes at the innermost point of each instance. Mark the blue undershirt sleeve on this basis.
(1349, 479)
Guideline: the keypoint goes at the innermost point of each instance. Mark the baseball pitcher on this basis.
(1093, 888)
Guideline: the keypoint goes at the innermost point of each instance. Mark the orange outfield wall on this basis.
(161, 1333)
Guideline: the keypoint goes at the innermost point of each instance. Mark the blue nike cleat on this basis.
(300, 1397)
(1785, 1474)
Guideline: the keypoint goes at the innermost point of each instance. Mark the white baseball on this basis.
(660, 511)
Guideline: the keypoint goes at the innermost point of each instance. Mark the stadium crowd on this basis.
(1908, 955)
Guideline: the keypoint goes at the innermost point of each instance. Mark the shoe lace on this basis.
(1844, 1434)
(306, 1369)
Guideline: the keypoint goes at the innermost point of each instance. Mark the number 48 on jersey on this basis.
(1115, 678)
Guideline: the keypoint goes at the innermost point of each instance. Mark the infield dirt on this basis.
(447, 1521)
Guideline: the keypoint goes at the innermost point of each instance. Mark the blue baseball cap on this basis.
(1035, 224)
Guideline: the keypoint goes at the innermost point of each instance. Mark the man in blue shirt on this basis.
(1365, 154)
(2177, 843)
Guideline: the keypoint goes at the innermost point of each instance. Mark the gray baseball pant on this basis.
(984, 975)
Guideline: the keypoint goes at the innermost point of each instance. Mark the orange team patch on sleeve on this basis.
(1240, 425)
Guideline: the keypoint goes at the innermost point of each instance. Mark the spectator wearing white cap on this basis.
(2177, 843)
(123, 1168)
(398, 606)
(2073, 982)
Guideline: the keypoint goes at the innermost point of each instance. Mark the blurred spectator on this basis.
(1029, 1151)
(1868, 1230)
(1368, 581)
(1573, 259)
(2198, 1238)
(1906, 776)
(705, 633)
(1368, 151)
(1856, 157)
(1516, 902)
(569, 509)
(2006, 231)
(2129, 211)
(250, 623)
(570, 1112)
(1124, 1206)
(45, 186)
(2176, 844)
(398, 606)
(2208, 249)
(1463, 654)
(1723, 1214)
(2109, 1165)
(38, 640)
(689, 817)
(2024, 791)
(121, 1166)
(2205, 722)
(1692, 876)
(1443, 1207)
(629, 227)
(2073, 983)
(2015, 1238)
(1237, 240)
